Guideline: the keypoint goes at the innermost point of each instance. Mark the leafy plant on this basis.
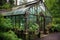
(5, 24)
(8, 36)
(58, 27)
(4, 33)
(33, 27)
(55, 28)
(21, 27)
(6, 6)
(54, 7)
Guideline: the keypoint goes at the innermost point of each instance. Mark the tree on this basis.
(2, 2)
(11, 2)
(5, 5)
(54, 7)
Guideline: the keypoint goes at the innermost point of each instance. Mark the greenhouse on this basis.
(33, 14)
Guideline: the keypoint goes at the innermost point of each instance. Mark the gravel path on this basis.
(53, 36)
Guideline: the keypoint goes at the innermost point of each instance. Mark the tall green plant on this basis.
(5, 24)
(5, 30)
(8, 36)
(54, 7)
(33, 27)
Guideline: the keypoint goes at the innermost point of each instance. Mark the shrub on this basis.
(57, 27)
(4, 34)
(8, 36)
(6, 6)
(0, 7)
(5, 24)
(53, 28)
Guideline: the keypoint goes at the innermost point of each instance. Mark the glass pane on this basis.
(22, 21)
(13, 20)
(32, 18)
(48, 20)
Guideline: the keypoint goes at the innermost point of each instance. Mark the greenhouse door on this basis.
(42, 23)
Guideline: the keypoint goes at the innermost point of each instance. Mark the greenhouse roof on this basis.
(23, 10)
(31, 10)
(16, 12)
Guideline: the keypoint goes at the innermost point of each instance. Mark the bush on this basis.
(5, 24)
(6, 6)
(0, 7)
(58, 27)
(4, 34)
(8, 36)
(55, 28)
(52, 28)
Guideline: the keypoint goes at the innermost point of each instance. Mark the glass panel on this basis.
(48, 20)
(32, 24)
(22, 21)
(32, 10)
(32, 18)
(47, 13)
(35, 10)
(13, 20)
(10, 17)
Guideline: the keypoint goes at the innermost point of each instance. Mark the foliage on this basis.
(6, 6)
(58, 27)
(49, 3)
(21, 27)
(5, 24)
(8, 36)
(2, 2)
(55, 28)
(33, 27)
(11, 2)
(54, 7)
